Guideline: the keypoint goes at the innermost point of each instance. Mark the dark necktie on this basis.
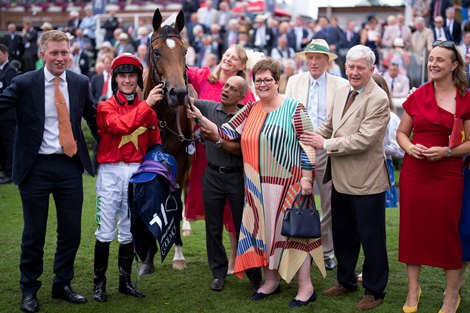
(66, 139)
(349, 102)
(393, 84)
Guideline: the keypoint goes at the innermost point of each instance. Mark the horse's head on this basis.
(167, 63)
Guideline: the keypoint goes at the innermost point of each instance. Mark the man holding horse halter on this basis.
(223, 177)
(127, 127)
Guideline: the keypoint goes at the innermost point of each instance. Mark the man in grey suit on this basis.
(49, 158)
(316, 90)
(353, 137)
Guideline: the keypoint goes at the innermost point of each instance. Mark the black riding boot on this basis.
(101, 265)
(126, 254)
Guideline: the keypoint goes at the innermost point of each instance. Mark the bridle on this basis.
(157, 79)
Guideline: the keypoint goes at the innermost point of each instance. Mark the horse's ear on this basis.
(179, 23)
(157, 20)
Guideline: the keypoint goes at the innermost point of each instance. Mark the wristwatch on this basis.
(218, 143)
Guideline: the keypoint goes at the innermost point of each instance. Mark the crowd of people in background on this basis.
(309, 60)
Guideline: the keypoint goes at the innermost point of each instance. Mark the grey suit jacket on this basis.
(26, 94)
(356, 144)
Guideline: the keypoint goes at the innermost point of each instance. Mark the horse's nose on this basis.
(178, 95)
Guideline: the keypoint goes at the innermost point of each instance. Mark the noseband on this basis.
(157, 79)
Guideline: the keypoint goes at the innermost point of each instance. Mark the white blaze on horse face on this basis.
(170, 43)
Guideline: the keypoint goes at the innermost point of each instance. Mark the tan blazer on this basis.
(356, 147)
(297, 88)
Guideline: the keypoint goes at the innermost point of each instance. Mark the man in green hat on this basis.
(316, 89)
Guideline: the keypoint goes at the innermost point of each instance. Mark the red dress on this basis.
(431, 191)
(194, 207)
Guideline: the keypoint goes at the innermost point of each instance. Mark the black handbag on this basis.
(302, 220)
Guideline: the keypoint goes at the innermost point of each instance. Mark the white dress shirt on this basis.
(50, 140)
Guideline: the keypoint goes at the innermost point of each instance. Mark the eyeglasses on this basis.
(267, 81)
(446, 44)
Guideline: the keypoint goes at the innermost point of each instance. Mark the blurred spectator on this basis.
(7, 119)
(104, 49)
(198, 34)
(438, 8)
(244, 39)
(100, 83)
(370, 36)
(397, 55)
(74, 22)
(99, 68)
(284, 29)
(334, 68)
(405, 31)
(439, 30)
(110, 25)
(14, 42)
(142, 37)
(465, 52)
(217, 44)
(189, 7)
(398, 84)
(208, 15)
(206, 48)
(262, 38)
(81, 59)
(88, 25)
(190, 27)
(30, 38)
(210, 60)
(301, 34)
(282, 51)
(46, 26)
(421, 8)
(391, 32)
(124, 46)
(274, 25)
(142, 55)
(454, 27)
(225, 14)
(350, 39)
(331, 34)
(245, 24)
(421, 44)
(231, 35)
(289, 68)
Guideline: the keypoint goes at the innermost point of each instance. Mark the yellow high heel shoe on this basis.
(413, 309)
(456, 307)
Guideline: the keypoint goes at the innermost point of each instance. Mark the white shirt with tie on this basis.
(50, 140)
(317, 106)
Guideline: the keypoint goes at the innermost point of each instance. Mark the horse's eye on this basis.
(185, 52)
(156, 53)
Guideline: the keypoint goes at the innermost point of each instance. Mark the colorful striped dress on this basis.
(273, 161)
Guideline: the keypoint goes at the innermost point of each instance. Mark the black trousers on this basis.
(360, 220)
(217, 190)
(60, 176)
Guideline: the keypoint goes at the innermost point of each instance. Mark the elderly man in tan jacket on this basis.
(353, 137)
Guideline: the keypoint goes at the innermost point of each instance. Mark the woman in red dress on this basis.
(431, 180)
(209, 87)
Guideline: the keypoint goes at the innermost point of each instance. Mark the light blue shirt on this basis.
(321, 110)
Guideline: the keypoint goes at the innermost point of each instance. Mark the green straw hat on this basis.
(317, 46)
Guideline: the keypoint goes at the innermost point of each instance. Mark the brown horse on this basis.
(167, 66)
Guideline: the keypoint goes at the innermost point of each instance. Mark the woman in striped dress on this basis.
(277, 167)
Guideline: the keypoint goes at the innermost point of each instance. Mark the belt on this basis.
(225, 170)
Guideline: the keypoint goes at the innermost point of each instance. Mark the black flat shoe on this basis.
(260, 296)
(66, 293)
(298, 303)
(29, 303)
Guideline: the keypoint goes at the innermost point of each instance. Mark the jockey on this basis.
(127, 127)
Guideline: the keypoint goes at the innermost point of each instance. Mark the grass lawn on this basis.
(187, 291)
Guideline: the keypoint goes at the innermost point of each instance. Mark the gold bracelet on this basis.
(310, 179)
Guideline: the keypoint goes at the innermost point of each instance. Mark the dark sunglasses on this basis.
(446, 44)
